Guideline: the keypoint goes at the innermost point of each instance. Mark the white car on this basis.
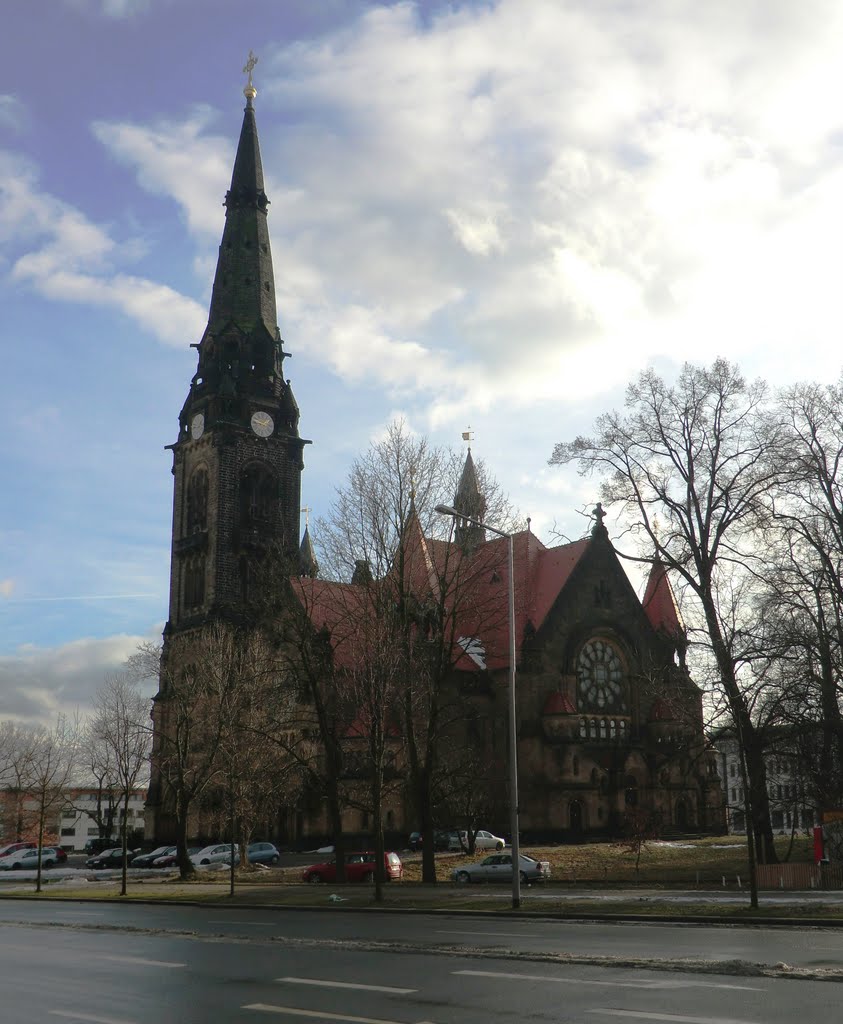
(483, 841)
(24, 860)
(219, 853)
(497, 867)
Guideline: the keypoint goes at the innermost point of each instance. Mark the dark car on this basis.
(262, 853)
(98, 845)
(144, 860)
(359, 867)
(109, 859)
(169, 860)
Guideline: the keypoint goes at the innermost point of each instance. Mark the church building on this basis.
(608, 717)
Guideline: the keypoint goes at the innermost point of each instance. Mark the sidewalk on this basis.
(593, 902)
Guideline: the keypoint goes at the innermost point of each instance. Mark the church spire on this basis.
(469, 501)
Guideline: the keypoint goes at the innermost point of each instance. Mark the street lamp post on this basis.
(447, 510)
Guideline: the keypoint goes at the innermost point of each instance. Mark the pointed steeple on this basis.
(470, 502)
(661, 609)
(241, 352)
(308, 566)
(244, 284)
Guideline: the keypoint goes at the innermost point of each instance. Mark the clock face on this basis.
(600, 678)
(262, 424)
(197, 426)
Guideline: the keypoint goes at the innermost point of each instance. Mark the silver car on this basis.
(497, 867)
(217, 853)
(22, 860)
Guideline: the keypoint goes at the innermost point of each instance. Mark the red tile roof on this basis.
(558, 704)
(660, 604)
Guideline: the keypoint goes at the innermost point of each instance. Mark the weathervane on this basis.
(250, 91)
(307, 510)
(468, 435)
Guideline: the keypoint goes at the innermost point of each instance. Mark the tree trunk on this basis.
(747, 735)
(124, 842)
(186, 868)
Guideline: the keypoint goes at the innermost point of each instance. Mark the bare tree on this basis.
(201, 673)
(96, 762)
(121, 724)
(384, 535)
(17, 762)
(691, 468)
(54, 763)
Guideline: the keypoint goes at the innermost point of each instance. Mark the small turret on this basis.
(308, 566)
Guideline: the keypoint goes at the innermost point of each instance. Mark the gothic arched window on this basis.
(197, 502)
(194, 582)
(258, 495)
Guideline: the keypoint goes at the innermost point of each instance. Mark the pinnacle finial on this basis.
(250, 91)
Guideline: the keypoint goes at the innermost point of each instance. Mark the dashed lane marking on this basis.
(347, 984)
(139, 961)
(672, 1018)
(88, 1017)
(294, 1011)
(607, 984)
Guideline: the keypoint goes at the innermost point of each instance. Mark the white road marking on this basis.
(673, 1018)
(485, 934)
(139, 961)
(253, 924)
(72, 1015)
(348, 984)
(608, 984)
(293, 1011)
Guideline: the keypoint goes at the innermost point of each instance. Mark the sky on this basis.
(483, 214)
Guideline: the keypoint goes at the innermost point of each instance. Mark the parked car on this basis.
(497, 867)
(441, 839)
(359, 867)
(217, 853)
(109, 859)
(262, 853)
(169, 860)
(94, 846)
(27, 859)
(145, 860)
(482, 841)
(14, 847)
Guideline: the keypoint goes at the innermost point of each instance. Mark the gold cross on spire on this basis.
(250, 91)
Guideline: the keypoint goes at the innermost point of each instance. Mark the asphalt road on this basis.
(130, 964)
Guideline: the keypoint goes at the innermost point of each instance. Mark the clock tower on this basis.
(238, 459)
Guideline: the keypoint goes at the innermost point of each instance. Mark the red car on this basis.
(14, 847)
(359, 867)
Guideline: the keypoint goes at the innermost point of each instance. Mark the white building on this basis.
(789, 805)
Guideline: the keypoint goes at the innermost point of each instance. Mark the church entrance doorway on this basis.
(681, 817)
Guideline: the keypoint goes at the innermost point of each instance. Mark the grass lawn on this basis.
(681, 863)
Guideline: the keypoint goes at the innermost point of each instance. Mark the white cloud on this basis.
(177, 159)
(63, 255)
(491, 203)
(36, 683)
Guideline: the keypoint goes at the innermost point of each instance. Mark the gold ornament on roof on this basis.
(250, 91)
